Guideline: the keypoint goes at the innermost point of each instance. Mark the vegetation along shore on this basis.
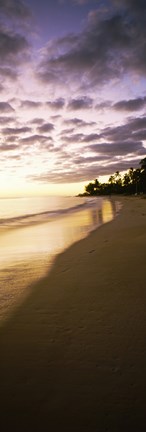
(132, 182)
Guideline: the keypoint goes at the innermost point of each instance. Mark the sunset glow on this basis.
(73, 93)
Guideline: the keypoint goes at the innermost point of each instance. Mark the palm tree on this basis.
(111, 179)
(136, 179)
(143, 174)
(90, 189)
(118, 182)
(96, 185)
(143, 164)
(126, 182)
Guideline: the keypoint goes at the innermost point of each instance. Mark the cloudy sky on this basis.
(72, 92)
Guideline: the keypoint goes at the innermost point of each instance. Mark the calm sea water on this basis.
(34, 230)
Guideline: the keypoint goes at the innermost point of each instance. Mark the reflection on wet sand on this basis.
(50, 238)
(24, 249)
(104, 214)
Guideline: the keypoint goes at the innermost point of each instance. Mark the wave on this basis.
(45, 216)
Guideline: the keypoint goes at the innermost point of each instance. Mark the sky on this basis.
(72, 93)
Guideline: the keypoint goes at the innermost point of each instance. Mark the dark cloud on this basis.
(80, 137)
(5, 107)
(5, 120)
(80, 103)
(55, 117)
(123, 141)
(14, 8)
(74, 138)
(88, 172)
(118, 149)
(91, 137)
(109, 46)
(137, 123)
(130, 105)
(56, 104)
(34, 139)
(123, 149)
(90, 56)
(46, 127)
(79, 2)
(10, 73)
(8, 147)
(59, 150)
(13, 48)
(16, 131)
(135, 6)
(78, 122)
(38, 121)
(11, 139)
(126, 131)
(28, 104)
(103, 105)
(117, 133)
(67, 131)
(90, 159)
(140, 135)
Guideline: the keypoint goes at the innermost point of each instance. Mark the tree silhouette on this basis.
(132, 182)
(143, 174)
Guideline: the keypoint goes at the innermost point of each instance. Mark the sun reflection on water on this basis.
(27, 253)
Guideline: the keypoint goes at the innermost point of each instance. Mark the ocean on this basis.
(34, 230)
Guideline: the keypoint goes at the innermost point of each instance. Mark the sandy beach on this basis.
(73, 355)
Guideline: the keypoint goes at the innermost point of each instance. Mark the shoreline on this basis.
(26, 248)
(73, 354)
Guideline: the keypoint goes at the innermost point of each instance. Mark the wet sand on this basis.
(35, 246)
(73, 355)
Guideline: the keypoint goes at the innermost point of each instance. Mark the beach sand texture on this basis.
(73, 355)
